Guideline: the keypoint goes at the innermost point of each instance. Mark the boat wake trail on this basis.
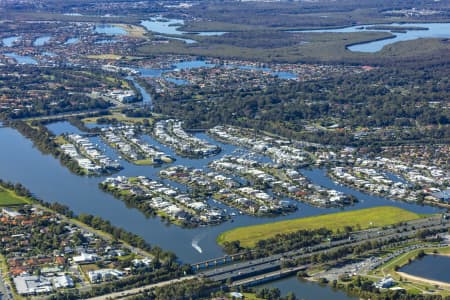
(195, 242)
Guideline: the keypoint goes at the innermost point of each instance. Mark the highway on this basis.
(376, 234)
(407, 230)
(272, 263)
(269, 268)
(139, 290)
(268, 276)
(246, 269)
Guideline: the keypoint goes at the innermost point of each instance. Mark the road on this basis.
(268, 276)
(139, 290)
(269, 264)
(369, 264)
(258, 268)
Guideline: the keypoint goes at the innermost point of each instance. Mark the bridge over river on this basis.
(237, 269)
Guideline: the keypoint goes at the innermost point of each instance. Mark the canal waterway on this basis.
(110, 30)
(281, 75)
(71, 41)
(146, 98)
(41, 41)
(22, 59)
(49, 180)
(434, 30)
(152, 73)
(9, 41)
(434, 267)
(171, 26)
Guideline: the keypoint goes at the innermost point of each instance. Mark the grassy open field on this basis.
(363, 218)
(119, 117)
(133, 30)
(9, 198)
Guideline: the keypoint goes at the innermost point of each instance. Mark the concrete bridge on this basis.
(259, 279)
(215, 262)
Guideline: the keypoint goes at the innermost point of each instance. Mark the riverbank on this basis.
(118, 256)
(440, 284)
(82, 194)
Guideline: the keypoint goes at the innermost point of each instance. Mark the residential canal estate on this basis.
(224, 150)
(48, 179)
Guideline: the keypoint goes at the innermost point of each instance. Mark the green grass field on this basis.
(364, 218)
(9, 198)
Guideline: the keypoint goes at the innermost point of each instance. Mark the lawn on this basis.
(363, 218)
(133, 30)
(9, 198)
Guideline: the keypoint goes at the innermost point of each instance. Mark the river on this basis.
(49, 180)
(171, 26)
(435, 30)
(71, 41)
